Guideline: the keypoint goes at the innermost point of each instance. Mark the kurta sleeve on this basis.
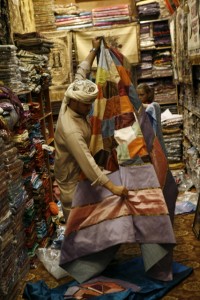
(77, 146)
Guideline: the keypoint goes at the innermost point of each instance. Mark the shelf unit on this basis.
(46, 118)
(156, 61)
(189, 96)
(156, 69)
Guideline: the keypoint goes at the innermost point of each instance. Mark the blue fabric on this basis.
(130, 271)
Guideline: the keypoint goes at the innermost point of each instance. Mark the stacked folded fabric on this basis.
(14, 262)
(165, 92)
(155, 64)
(112, 15)
(43, 14)
(67, 22)
(148, 10)
(71, 17)
(9, 68)
(162, 64)
(146, 38)
(144, 69)
(173, 137)
(33, 42)
(37, 217)
(26, 155)
(161, 34)
(36, 65)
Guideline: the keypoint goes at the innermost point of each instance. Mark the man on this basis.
(72, 137)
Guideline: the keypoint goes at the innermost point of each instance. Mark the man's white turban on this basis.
(83, 90)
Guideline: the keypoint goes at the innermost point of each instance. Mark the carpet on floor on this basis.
(126, 280)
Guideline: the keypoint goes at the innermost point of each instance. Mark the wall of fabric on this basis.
(94, 4)
(22, 16)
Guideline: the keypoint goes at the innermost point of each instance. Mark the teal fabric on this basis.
(129, 271)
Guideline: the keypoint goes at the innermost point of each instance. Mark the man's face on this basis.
(83, 109)
(80, 108)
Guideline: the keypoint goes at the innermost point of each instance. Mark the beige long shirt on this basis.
(72, 154)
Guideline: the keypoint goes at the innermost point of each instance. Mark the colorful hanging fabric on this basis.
(124, 144)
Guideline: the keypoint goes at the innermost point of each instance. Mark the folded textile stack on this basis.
(38, 70)
(162, 64)
(26, 154)
(144, 69)
(173, 137)
(148, 10)
(9, 68)
(33, 42)
(112, 15)
(71, 17)
(14, 262)
(44, 16)
(155, 64)
(165, 92)
(146, 38)
(155, 37)
(161, 34)
(29, 141)
(67, 22)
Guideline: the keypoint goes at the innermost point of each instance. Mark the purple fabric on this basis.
(133, 177)
(82, 197)
(126, 229)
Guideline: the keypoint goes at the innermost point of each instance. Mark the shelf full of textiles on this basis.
(36, 156)
(189, 97)
(155, 67)
(14, 261)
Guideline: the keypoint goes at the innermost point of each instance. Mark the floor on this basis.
(187, 252)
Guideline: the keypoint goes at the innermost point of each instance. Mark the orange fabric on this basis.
(137, 147)
(124, 75)
(125, 104)
(144, 202)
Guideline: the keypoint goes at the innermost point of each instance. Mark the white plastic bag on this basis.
(50, 259)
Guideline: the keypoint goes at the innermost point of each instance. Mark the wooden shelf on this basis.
(45, 116)
(156, 48)
(153, 20)
(50, 141)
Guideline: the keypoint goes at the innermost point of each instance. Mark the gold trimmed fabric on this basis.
(60, 62)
